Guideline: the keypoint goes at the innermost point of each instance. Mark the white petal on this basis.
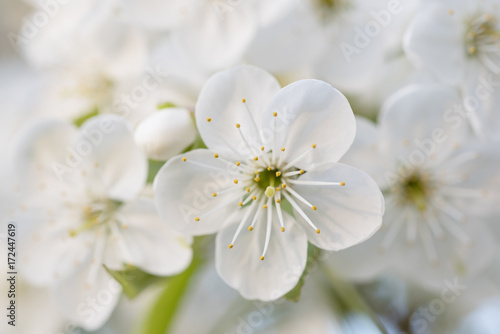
(434, 41)
(88, 303)
(420, 124)
(267, 279)
(143, 240)
(183, 191)
(217, 34)
(166, 133)
(345, 215)
(221, 101)
(310, 112)
(367, 153)
(114, 165)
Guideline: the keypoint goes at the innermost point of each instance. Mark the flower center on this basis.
(414, 189)
(329, 8)
(96, 214)
(482, 40)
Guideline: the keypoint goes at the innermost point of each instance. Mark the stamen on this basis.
(300, 198)
(411, 231)
(457, 232)
(392, 231)
(299, 172)
(257, 214)
(430, 250)
(280, 214)
(240, 226)
(209, 119)
(316, 183)
(299, 210)
(268, 229)
(292, 163)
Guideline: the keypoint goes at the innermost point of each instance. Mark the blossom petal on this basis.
(143, 240)
(183, 191)
(267, 279)
(434, 41)
(367, 153)
(115, 166)
(310, 112)
(420, 124)
(87, 298)
(345, 215)
(220, 101)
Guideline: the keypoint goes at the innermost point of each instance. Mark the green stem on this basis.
(159, 319)
(351, 298)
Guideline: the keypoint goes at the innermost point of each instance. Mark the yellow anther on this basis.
(278, 174)
(235, 181)
(72, 233)
(472, 50)
(256, 158)
(317, 231)
(256, 179)
(269, 168)
(262, 148)
(278, 189)
(184, 159)
(247, 189)
(275, 114)
(238, 163)
(282, 149)
(237, 125)
(257, 172)
(197, 219)
(230, 246)
(283, 186)
(240, 204)
(313, 145)
(262, 258)
(125, 226)
(216, 155)
(254, 197)
(278, 200)
(282, 229)
(214, 195)
(209, 119)
(250, 228)
(243, 100)
(301, 172)
(451, 12)
(314, 207)
(264, 206)
(342, 184)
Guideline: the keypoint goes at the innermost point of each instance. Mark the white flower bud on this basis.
(166, 133)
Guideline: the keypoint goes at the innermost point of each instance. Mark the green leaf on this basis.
(80, 120)
(133, 280)
(165, 307)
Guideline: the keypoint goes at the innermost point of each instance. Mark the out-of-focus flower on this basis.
(81, 210)
(166, 133)
(271, 152)
(457, 41)
(438, 189)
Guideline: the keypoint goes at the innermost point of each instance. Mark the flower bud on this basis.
(166, 133)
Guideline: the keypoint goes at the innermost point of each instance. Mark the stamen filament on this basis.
(268, 229)
(299, 210)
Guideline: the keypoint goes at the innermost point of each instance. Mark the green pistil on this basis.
(268, 178)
